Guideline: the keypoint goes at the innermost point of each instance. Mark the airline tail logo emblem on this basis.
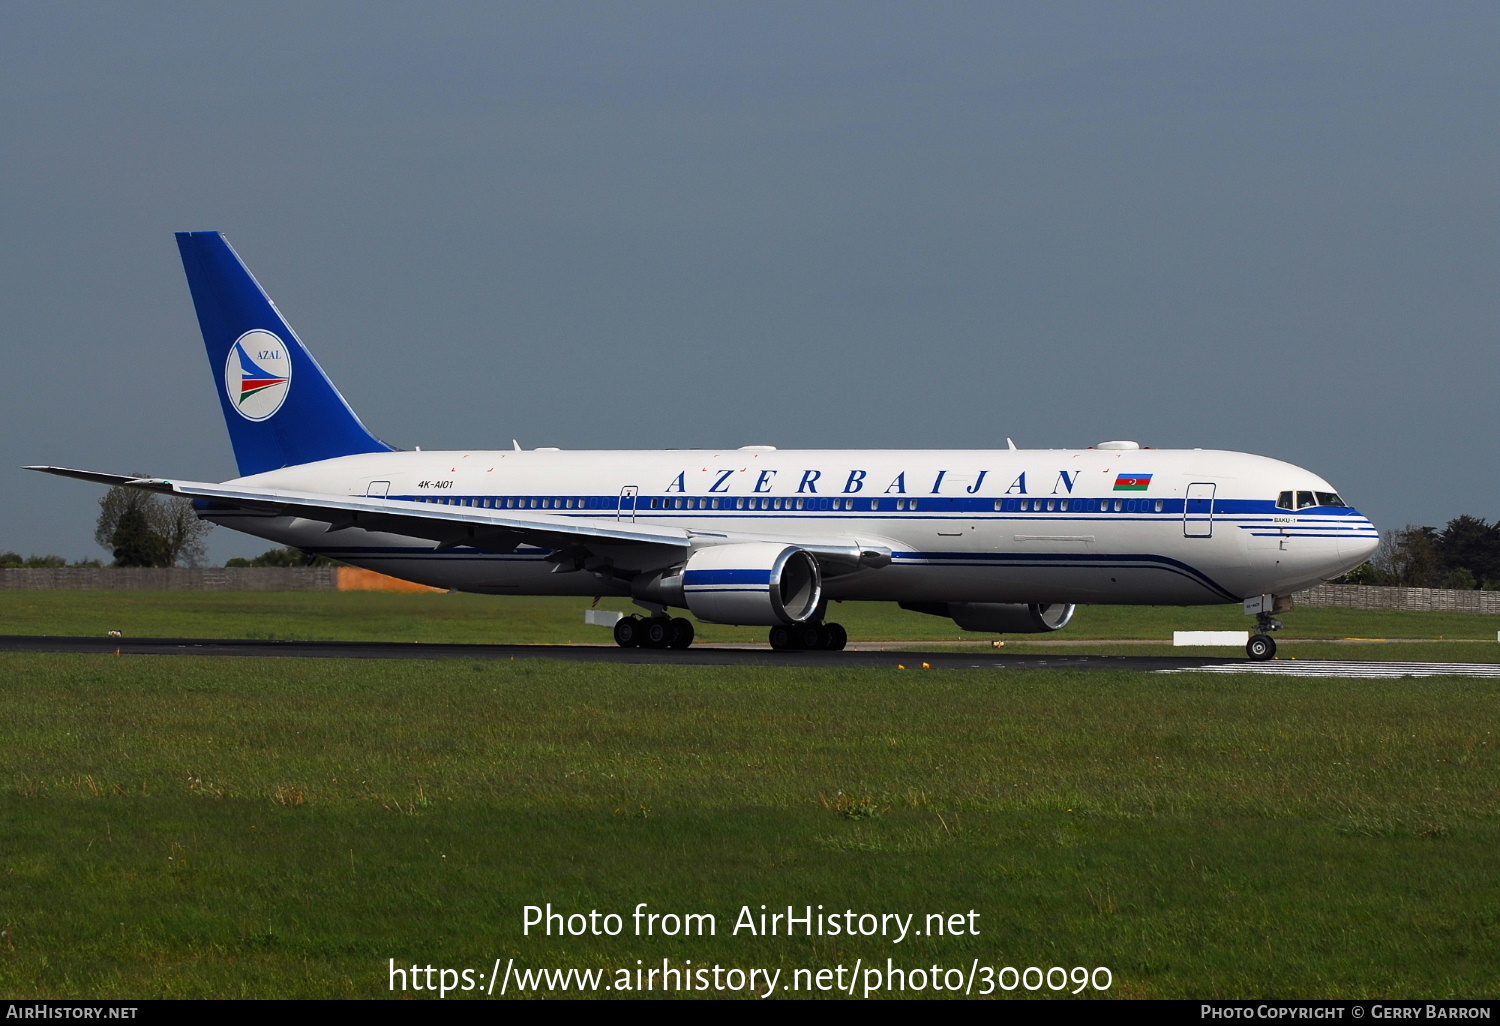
(257, 375)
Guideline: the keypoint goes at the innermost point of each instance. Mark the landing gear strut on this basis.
(653, 632)
(1261, 646)
(828, 637)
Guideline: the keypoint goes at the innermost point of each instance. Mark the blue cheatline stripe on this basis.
(704, 578)
(1258, 528)
(926, 504)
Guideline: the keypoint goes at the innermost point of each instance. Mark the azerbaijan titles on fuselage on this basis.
(853, 482)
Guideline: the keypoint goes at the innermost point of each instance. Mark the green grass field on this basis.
(444, 617)
(188, 827)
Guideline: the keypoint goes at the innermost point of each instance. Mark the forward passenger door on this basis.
(1198, 511)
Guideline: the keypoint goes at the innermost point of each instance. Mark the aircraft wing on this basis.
(498, 530)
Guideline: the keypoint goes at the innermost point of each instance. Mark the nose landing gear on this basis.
(1261, 645)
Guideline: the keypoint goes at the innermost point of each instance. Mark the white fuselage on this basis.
(1038, 526)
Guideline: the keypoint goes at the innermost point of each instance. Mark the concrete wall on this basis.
(1419, 600)
(219, 578)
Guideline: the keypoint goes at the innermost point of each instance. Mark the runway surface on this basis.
(714, 656)
(1370, 669)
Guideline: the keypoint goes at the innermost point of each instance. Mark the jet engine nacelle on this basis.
(759, 584)
(999, 617)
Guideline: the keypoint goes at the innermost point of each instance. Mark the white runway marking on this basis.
(1348, 668)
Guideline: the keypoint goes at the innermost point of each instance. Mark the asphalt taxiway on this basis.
(696, 656)
(732, 656)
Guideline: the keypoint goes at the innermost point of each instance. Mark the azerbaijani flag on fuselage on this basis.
(1132, 482)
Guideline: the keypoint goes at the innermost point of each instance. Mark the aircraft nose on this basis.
(1360, 544)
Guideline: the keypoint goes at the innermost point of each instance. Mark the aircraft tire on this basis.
(1260, 648)
(780, 638)
(628, 632)
(835, 637)
(810, 636)
(682, 633)
(656, 632)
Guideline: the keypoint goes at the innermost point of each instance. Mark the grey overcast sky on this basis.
(1259, 226)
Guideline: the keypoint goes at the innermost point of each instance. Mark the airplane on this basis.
(1000, 541)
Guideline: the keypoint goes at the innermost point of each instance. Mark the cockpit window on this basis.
(1302, 500)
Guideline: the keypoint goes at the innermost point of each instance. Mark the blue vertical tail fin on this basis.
(280, 407)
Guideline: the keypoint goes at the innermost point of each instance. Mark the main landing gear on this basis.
(665, 632)
(829, 637)
(1262, 646)
(653, 632)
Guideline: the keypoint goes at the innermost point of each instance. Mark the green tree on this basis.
(1408, 557)
(135, 544)
(171, 519)
(1460, 580)
(288, 556)
(13, 561)
(1471, 545)
(1365, 573)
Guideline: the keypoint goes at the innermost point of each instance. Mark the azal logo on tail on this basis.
(257, 375)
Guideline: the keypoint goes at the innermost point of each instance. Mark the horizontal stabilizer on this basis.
(115, 480)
